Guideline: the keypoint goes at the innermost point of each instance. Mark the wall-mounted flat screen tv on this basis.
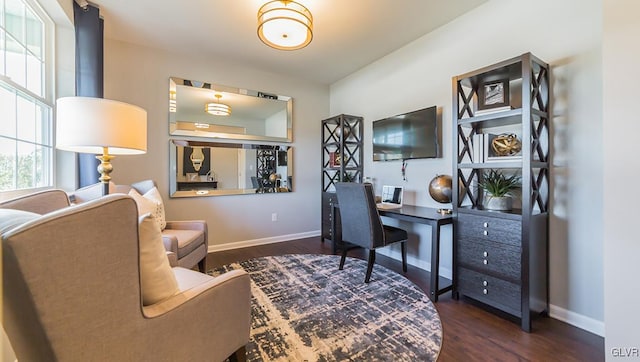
(407, 136)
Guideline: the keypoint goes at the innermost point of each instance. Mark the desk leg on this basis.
(435, 261)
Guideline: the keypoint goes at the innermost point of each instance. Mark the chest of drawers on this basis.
(499, 263)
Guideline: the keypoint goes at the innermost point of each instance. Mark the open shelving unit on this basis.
(342, 161)
(501, 258)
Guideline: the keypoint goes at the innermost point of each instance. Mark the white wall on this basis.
(276, 124)
(621, 74)
(140, 76)
(566, 34)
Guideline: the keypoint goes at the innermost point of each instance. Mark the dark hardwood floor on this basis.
(470, 332)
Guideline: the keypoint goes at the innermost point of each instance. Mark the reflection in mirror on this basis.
(209, 110)
(212, 169)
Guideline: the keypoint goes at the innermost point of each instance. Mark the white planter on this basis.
(503, 203)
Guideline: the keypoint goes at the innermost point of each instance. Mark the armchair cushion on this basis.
(157, 279)
(150, 202)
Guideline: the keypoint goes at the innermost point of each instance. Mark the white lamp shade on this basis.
(86, 125)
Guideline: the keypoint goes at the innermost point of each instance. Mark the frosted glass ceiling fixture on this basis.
(217, 108)
(285, 25)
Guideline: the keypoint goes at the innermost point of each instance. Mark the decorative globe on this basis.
(440, 188)
(347, 132)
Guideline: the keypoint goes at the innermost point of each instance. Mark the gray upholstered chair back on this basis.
(361, 224)
(42, 202)
(143, 186)
(67, 292)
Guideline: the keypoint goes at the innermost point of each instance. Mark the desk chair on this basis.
(362, 226)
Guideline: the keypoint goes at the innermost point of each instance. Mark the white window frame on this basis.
(47, 100)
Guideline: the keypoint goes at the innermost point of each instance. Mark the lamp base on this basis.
(105, 168)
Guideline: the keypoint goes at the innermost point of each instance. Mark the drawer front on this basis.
(495, 292)
(490, 228)
(488, 256)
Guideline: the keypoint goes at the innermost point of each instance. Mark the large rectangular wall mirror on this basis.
(208, 110)
(214, 169)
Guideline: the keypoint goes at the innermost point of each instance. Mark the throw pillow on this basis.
(154, 195)
(157, 278)
(146, 204)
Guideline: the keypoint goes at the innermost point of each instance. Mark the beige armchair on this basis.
(187, 240)
(72, 291)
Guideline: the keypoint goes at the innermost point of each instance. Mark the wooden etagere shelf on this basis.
(342, 160)
(501, 258)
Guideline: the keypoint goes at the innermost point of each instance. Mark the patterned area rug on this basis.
(305, 309)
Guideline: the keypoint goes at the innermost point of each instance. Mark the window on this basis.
(26, 99)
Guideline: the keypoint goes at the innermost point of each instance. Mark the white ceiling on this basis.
(348, 34)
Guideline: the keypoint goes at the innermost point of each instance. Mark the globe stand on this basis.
(445, 211)
(440, 191)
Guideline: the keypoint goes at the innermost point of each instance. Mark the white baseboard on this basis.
(263, 241)
(577, 320)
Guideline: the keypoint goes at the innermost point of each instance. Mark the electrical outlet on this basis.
(274, 217)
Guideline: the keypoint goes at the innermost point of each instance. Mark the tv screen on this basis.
(406, 136)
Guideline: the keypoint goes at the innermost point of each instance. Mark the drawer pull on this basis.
(485, 262)
(486, 224)
(485, 254)
(486, 233)
(485, 291)
(485, 283)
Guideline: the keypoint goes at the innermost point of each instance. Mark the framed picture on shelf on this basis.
(493, 94)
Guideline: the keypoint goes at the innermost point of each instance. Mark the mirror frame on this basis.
(173, 168)
(173, 105)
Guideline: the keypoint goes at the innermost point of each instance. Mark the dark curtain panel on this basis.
(89, 74)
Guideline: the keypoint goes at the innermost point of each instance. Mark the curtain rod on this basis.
(82, 3)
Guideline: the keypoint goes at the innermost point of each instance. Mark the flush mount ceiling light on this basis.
(217, 108)
(285, 25)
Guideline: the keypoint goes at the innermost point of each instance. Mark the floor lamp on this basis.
(100, 126)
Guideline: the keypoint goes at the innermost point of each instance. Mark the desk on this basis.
(420, 215)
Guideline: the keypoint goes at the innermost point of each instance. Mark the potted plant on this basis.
(347, 177)
(499, 189)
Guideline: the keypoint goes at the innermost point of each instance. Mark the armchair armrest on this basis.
(187, 225)
(173, 259)
(170, 243)
(212, 316)
(234, 285)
